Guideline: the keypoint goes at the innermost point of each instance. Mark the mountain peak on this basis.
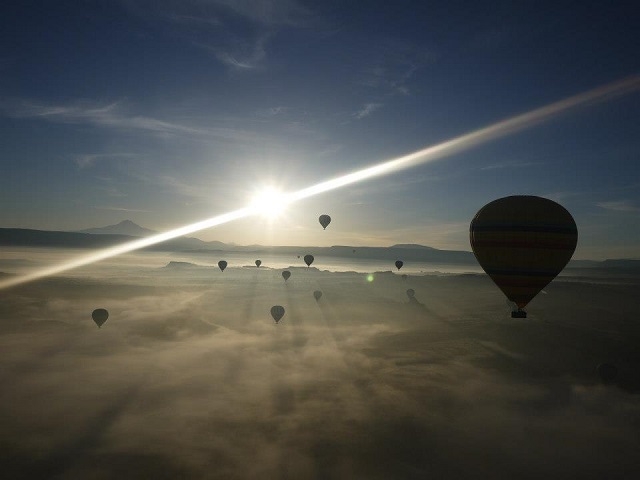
(127, 223)
(125, 227)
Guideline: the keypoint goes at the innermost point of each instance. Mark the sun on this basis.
(269, 202)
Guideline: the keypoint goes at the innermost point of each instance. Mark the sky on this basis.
(168, 112)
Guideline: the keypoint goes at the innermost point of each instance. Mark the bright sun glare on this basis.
(269, 202)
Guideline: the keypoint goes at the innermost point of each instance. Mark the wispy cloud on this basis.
(393, 66)
(367, 110)
(272, 112)
(509, 164)
(90, 159)
(388, 73)
(267, 12)
(619, 206)
(235, 31)
(239, 53)
(116, 117)
(121, 209)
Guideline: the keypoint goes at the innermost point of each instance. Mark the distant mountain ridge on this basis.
(125, 227)
(406, 252)
(125, 230)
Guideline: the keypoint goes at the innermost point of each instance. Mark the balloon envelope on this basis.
(308, 259)
(317, 294)
(286, 274)
(411, 293)
(277, 312)
(222, 264)
(399, 264)
(523, 243)
(324, 220)
(100, 315)
(607, 372)
(258, 263)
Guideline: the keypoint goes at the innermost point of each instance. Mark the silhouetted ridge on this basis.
(125, 227)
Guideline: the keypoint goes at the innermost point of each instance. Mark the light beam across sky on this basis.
(426, 155)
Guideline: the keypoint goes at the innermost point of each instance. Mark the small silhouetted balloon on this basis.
(308, 259)
(317, 294)
(298, 256)
(277, 312)
(399, 264)
(411, 293)
(258, 263)
(607, 372)
(324, 220)
(100, 316)
(286, 274)
(222, 264)
(354, 250)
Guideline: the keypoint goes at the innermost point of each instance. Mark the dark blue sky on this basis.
(168, 112)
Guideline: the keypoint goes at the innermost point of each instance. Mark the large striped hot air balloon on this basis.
(523, 242)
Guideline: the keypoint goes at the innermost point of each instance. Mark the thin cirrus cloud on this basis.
(367, 110)
(121, 209)
(235, 32)
(619, 206)
(90, 159)
(112, 116)
(239, 54)
(512, 164)
(267, 12)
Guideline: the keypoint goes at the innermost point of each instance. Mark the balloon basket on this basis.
(518, 314)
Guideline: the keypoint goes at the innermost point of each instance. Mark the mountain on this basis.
(413, 246)
(85, 239)
(125, 227)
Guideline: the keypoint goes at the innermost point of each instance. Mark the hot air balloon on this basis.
(317, 294)
(286, 274)
(324, 220)
(277, 312)
(523, 243)
(399, 264)
(308, 259)
(411, 293)
(222, 264)
(100, 316)
(607, 372)
(258, 263)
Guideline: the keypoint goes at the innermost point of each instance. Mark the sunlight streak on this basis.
(429, 154)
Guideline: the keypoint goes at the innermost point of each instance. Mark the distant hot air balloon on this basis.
(411, 293)
(324, 220)
(354, 250)
(308, 259)
(222, 264)
(399, 264)
(100, 315)
(277, 312)
(523, 243)
(258, 263)
(607, 372)
(286, 274)
(317, 294)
